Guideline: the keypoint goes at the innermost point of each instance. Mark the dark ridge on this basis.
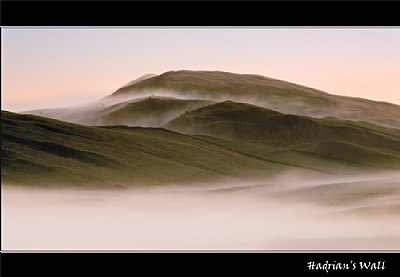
(54, 129)
(45, 123)
(6, 154)
(8, 122)
(29, 167)
(62, 151)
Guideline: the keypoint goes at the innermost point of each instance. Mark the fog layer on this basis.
(360, 212)
(383, 114)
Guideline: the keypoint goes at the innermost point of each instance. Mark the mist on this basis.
(346, 108)
(288, 212)
(94, 114)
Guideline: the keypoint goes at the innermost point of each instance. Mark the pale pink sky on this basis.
(57, 67)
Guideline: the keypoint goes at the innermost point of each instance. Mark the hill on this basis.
(219, 86)
(266, 92)
(283, 137)
(39, 150)
(142, 78)
(151, 111)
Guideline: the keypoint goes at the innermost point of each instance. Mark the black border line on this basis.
(195, 13)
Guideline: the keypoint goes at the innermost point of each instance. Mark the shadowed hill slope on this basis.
(150, 112)
(38, 150)
(240, 125)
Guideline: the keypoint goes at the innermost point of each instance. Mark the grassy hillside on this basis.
(290, 139)
(37, 150)
(150, 112)
(269, 93)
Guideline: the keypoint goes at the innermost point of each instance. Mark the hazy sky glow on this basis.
(57, 67)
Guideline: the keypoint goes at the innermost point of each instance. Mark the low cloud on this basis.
(270, 215)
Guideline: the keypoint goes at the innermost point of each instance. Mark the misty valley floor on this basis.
(286, 213)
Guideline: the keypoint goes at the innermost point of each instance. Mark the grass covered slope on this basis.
(37, 150)
(292, 139)
(151, 111)
(269, 93)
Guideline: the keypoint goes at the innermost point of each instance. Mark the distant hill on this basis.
(151, 111)
(269, 93)
(261, 132)
(37, 150)
(219, 86)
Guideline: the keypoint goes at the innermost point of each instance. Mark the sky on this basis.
(57, 67)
